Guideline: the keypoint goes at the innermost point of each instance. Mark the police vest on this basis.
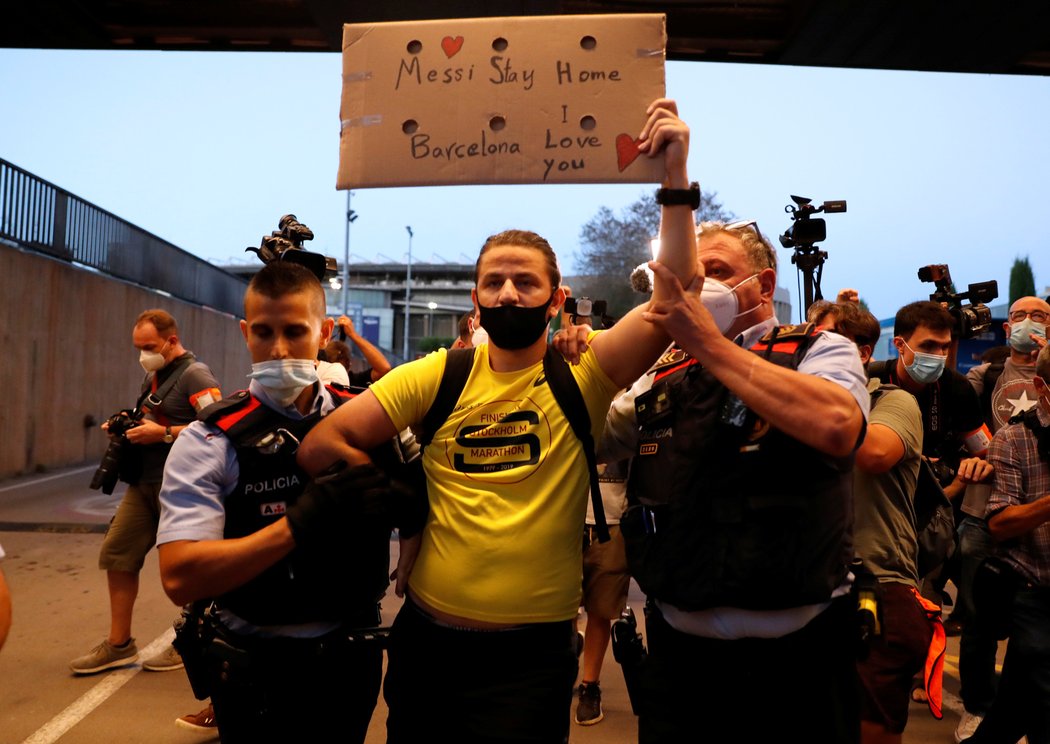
(339, 583)
(725, 510)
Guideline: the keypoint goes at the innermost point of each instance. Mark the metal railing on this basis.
(39, 216)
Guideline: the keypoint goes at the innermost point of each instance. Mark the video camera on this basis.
(806, 230)
(585, 307)
(117, 425)
(970, 320)
(286, 244)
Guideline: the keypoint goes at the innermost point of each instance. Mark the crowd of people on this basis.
(758, 481)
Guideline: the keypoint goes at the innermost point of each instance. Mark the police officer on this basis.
(293, 573)
(739, 516)
(179, 387)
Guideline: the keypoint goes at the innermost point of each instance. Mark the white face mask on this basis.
(284, 379)
(721, 301)
(480, 336)
(152, 361)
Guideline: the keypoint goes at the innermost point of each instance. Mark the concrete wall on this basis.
(66, 357)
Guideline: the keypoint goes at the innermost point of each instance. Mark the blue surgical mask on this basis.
(925, 368)
(1020, 335)
(284, 379)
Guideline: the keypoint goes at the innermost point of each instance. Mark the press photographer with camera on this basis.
(885, 539)
(175, 389)
(951, 415)
(1005, 389)
(1018, 514)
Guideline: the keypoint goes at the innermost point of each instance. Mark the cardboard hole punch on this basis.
(500, 44)
(587, 123)
(588, 42)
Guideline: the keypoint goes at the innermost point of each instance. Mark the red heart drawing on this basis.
(452, 46)
(626, 150)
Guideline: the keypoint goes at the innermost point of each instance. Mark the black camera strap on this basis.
(156, 398)
(1030, 419)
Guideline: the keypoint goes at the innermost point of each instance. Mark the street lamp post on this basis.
(350, 217)
(408, 294)
(431, 306)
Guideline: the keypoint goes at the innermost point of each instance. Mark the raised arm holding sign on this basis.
(508, 484)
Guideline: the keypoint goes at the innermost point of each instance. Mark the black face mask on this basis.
(512, 328)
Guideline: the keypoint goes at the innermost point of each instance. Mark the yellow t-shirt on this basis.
(508, 488)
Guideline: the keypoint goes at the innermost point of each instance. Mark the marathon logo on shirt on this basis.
(504, 437)
(275, 484)
(273, 509)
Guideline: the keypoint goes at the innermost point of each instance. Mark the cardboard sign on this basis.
(556, 99)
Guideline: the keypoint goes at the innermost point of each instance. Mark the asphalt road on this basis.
(51, 527)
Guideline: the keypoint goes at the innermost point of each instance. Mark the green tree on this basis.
(615, 244)
(1022, 281)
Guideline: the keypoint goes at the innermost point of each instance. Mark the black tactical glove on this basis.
(348, 498)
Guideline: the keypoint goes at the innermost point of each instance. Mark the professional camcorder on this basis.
(286, 244)
(805, 229)
(803, 235)
(108, 471)
(972, 319)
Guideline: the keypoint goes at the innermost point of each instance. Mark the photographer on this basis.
(377, 363)
(1005, 389)
(1018, 515)
(175, 389)
(885, 475)
(951, 415)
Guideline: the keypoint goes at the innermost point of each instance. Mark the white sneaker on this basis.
(968, 724)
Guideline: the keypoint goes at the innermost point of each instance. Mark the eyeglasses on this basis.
(1039, 316)
(738, 225)
(770, 261)
(743, 225)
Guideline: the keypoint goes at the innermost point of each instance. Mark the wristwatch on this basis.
(674, 197)
(168, 436)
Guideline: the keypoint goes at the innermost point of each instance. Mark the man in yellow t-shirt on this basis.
(484, 647)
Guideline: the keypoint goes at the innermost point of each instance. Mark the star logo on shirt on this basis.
(1021, 403)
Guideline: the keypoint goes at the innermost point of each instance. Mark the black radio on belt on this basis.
(653, 406)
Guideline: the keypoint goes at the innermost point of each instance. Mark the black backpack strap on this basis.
(991, 377)
(458, 363)
(880, 370)
(567, 393)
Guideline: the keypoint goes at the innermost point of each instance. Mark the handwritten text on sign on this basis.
(504, 100)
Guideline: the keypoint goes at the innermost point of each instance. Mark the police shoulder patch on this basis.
(789, 332)
(671, 357)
